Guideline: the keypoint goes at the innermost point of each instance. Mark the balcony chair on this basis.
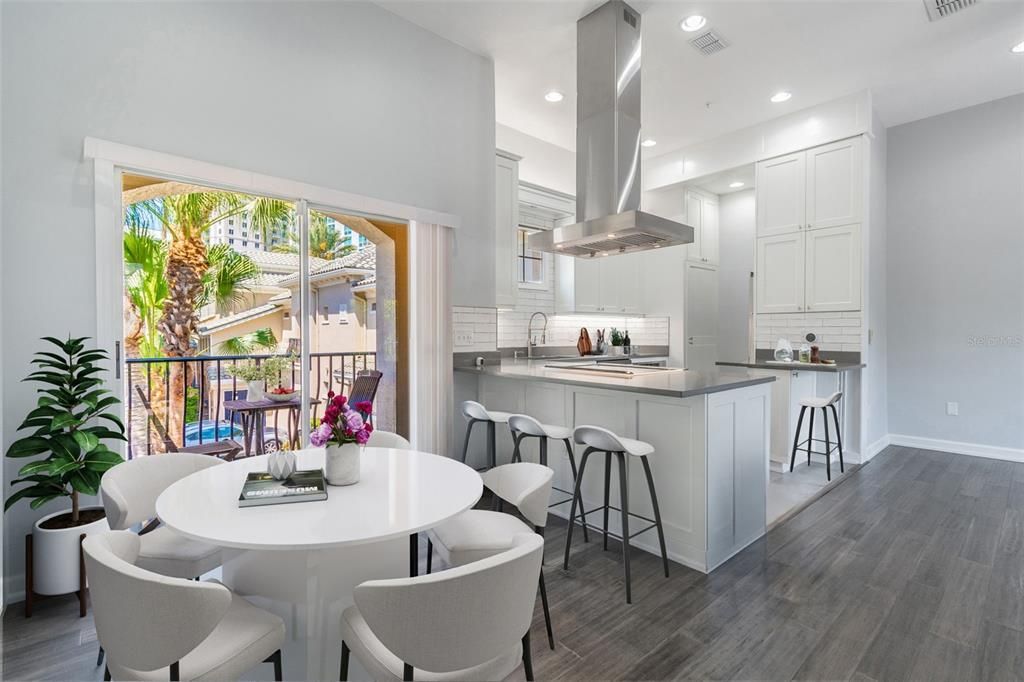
(227, 448)
(159, 628)
(468, 623)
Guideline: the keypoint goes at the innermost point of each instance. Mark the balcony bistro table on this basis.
(253, 414)
(303, 560)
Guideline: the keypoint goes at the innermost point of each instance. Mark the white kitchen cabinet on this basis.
(612, 284)
(833, 269)
(506, 225)
(780, 273)
(834, 184)
(781, 194)
(702, 216)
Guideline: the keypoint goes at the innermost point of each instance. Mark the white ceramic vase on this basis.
(257, 390)
(342, 464)
(55, 554)
(281, 464)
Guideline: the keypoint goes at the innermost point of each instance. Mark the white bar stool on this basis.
(524, 426)
(822, 404)
(476, 413)
(598, 439)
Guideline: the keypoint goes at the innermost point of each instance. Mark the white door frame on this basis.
(111, 159)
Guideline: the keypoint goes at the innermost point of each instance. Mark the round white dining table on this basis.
(303, 560)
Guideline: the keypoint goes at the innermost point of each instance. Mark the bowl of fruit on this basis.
(282, 394)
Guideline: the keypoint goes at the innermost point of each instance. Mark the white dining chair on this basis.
(158, 628)
(129, 493)
(477, 533)
(387, 439)
(468, 623)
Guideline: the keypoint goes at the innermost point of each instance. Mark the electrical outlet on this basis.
(464, 338)
(952, 409)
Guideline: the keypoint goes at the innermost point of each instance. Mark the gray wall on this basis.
(736, 222)
(956, 275)
(343, 95)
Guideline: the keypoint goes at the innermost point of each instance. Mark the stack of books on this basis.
(262, 489)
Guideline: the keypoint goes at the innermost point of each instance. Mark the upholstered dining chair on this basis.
(468, 623)
(387, 439)
(129, 493)
(159, 628)
(477, 533)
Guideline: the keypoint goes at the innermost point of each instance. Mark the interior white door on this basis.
(587, 284)
(781, 191)
(506, 224)
(834, 269)
(700, 316)
(780, 273)
(834, 181)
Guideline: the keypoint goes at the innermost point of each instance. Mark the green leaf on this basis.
(15, 496)
(85, 481)
(44, 411)
(37, 422)
(27, 447)
(113, 418)
(64, 420)
(102, 433)
(87, 441)
(101, 460)
(64, 446)
(40, 501)
(57, 358)
(47, 378)
(65, 467)
(33, 468)
(46, 401)
(64, 346)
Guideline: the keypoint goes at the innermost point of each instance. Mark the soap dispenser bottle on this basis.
(627, 345)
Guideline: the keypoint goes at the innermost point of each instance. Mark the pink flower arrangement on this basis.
(342, 423)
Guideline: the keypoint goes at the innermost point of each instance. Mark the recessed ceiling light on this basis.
(554, 96)
(1018, 48)
(781, 96)
(648, 143)
(735, 185)
(694, 22)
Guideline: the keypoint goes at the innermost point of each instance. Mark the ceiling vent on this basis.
(940, 9)
(710, 42)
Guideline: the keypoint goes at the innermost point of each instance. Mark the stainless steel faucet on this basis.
(529, 333)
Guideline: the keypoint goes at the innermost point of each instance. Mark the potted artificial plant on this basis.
(68, 428)
(617, 341)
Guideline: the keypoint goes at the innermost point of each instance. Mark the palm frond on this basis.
(229, 277)
(247, 344)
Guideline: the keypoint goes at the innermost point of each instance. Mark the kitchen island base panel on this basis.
(710, 463)
(309, 590)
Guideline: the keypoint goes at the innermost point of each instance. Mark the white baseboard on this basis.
(957, 447)
(876, 447)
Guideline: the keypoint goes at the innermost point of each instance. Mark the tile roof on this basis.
(364, 259)
(365, 283)
(244, 316)
(284, 263)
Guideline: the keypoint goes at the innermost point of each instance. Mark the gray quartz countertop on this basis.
(791, 366)
(675, 384)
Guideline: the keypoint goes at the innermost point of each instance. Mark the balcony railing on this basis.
(186, 396)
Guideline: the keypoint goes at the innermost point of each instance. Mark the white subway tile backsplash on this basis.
(835, 331)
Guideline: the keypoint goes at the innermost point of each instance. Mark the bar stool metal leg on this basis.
(572, 509)
(839, 438)
(796, 438)
(469, 432)
(828, 446)
(607, 493)
(572, 465)
(657, 513)
(624, 503)
(810, 438)
(492, 445)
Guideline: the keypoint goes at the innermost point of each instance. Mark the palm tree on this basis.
(248, 344)
(324, 240)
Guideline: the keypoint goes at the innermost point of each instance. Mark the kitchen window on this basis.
(530, 264)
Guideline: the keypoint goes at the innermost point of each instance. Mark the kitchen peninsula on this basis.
(710, 431)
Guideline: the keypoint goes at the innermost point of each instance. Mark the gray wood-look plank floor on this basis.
(913, 568)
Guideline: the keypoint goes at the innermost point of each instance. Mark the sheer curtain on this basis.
(430, 340)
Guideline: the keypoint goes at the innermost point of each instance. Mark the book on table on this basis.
(261, 488)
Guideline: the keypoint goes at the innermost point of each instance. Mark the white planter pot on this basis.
(257, 390)
(55, 554)
(342, 464)
(281, 464)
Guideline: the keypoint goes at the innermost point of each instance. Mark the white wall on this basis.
(543, 163)
(343, 95)
(955, 278)
(875, 376)
(736, 227)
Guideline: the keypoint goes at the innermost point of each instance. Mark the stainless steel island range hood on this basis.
(608, 216)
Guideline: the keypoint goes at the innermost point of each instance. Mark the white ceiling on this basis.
(818, 50)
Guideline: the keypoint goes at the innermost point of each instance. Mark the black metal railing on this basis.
(156, 414)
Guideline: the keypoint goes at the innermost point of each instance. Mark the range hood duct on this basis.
(608, 216)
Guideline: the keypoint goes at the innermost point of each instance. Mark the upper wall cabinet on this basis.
(834, 182)
(833, 269)
(818, 188)
(781, 194)
(506, 225)
(599, 285)
(702, 216)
